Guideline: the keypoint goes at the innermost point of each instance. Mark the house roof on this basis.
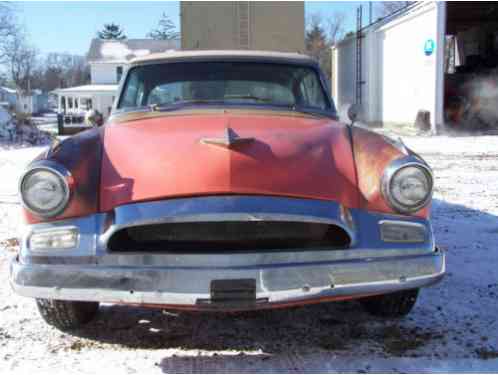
(87, 89)
(127, 49)
(202, 55)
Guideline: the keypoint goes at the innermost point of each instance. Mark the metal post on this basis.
(359, 36)
(437, 119)
(60, 124)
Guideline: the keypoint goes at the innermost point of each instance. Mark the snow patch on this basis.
(120, 51)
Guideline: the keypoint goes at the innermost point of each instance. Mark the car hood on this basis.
(182, 155)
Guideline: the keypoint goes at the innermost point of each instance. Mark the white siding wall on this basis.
(104, 73)
(103, 103)
(408, 75)
(343, 76)
(399, 78)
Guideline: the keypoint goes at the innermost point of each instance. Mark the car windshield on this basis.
(168, 86)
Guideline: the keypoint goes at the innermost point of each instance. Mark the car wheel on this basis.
(67, 315)
(391, 305)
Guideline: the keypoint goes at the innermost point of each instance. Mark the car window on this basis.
(214, 82)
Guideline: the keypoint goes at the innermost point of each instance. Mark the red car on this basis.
(224, 181)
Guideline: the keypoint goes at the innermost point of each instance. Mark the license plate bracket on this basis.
(233, 291)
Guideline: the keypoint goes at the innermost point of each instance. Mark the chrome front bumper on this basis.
(91, 273)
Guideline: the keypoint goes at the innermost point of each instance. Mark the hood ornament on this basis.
(229, 140)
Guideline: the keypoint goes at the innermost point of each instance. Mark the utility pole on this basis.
(369, 12)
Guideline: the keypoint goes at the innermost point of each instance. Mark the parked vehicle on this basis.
(224, 181)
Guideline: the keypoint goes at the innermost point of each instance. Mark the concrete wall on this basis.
(275, 26)
(399, 79)
(104, 74)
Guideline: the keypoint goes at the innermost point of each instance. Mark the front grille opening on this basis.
(229, 236)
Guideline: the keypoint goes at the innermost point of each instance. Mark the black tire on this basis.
(391, 305)
(67, 315)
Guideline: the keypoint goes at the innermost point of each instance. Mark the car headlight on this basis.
(407, 185)
(45, 189)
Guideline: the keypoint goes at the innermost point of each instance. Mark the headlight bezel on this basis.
(391, 171)
(61, 173)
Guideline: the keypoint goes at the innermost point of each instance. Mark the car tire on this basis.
(67, 315)
(391, 305)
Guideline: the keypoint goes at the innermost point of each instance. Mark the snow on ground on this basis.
(453, 327)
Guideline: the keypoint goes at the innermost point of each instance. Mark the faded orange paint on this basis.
(159, 158)
(372, 155)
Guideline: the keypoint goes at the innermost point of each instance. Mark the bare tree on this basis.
(316, 38)
(65, 70)
(335, 27)
(8, 29)
(21, 60)
(386, 8)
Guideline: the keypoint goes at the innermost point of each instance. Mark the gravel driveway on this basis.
(453, 327)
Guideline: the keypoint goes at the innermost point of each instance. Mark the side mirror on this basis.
(353, 112)
(94, 118)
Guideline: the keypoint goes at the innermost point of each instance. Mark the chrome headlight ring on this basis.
(391, 172)
(60, 174)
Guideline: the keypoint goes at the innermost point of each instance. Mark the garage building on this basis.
(433, 60)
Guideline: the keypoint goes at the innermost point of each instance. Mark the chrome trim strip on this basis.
(227, 208)
(229, 140)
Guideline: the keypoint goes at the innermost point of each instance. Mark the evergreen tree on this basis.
(165, 30)
(111, 31)
(317, 43)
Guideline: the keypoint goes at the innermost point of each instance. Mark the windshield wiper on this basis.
(249, 97)
(179, 104)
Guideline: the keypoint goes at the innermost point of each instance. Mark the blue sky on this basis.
(68, 26)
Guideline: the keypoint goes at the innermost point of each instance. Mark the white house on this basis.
(405, 63)
(108, 60)
(8, 97)
(32, 102)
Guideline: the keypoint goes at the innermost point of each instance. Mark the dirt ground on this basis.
(453, 327)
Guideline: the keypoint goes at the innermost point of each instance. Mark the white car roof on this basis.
(224, 55)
